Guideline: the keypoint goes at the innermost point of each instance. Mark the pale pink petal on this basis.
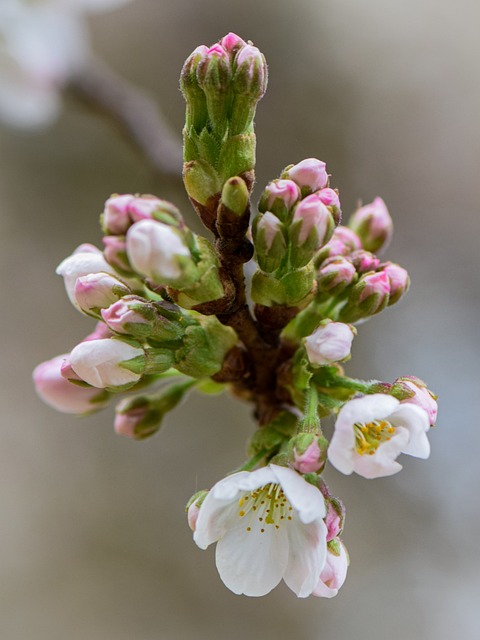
(307, 555)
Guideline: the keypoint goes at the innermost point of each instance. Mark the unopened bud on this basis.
(330, 342)
(373, 225)
(422, 396)
(335, 275)
(116, 215)
(193, 508)
(343, 242)
(369, 296)
(310, 175)
(235, 195)
(232, 43)
(65, 396)
(115, 254)
(364, 261)
(308, 452)
(311, 228)
(84, 261)
(279, 197)
(157, 251)
(97, 291)
(249, 84)
(269, 241)
(103, 363)
(398, 279)
(141, 319)
(334, 572)
(196, 103)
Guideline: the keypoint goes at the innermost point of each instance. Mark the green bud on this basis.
(197, 114)
(204, 348)
(235, 195)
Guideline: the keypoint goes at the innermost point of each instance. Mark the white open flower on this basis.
(268, 525)
(42, 44)
(372, 431)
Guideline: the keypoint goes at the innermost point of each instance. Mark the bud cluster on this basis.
(173, 312)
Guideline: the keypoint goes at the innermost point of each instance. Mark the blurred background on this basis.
(94, 539)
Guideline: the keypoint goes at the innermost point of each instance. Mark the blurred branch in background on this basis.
(133, 112)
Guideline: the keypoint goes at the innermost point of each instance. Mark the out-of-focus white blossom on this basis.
(42, 44)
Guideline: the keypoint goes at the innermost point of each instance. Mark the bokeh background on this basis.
(94, 540)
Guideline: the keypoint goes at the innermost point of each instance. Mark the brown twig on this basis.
(133, 111)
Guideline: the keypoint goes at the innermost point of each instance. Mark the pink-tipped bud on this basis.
(335, 275)
(373, 225)
(122, 318)
(193, 508)
(154, 250)
(398, 279)
(97, 291)
(86, 259)
(101, 331)
(316, 221)
(334, 519)
(334, 572)
(101, 363)
(116, 215)
(310, 458)
(329, 197)
(115, 254)
(330, 342)
(310, 174)
(270, 225)
(214, 69)
(126, 424)
(279, 197)
(364, 261)
(343, 242)
(250, 78)
(232, 43)
(269, 241)
(56, 391)
(374, 285)
(422, 396)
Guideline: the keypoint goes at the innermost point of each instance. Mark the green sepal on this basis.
(270, 437)
(298, 285)
(267, 290)
(201, 180)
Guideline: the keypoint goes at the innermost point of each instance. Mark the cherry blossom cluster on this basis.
(173, 313)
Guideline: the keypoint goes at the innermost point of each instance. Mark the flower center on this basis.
(369, 436)
(264, 507)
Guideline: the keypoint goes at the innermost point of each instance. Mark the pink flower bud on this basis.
(422, 397)
(330, 342)
(66, 370)
(313, 214)
(98, 291)
(100, 331)
(334, 572)
(143, 207)
(311, 460)
(127, 423)
(213, 70)
(116, 215)
(99, 362)
(285, 190)
(153, 249)
(271, 225)
(120, 316)
(335, 274)
(251, 73)
(333, 520)
(63, 395)
(310, 173)
(81, 263)
(342, 243)
(329, 197)
(373, 224)
(231, 42)
(374, 285)
(364, 261)
(115, 253)
(398, 279)
(192, 515)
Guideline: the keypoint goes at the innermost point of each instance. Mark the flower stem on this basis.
(311, 422)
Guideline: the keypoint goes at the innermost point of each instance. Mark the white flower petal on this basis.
(243, 481)
(333, 575)
(307, 555)
(340, 450)
(416, 421)
(306, 499)
(252, 563)
(367, 409)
